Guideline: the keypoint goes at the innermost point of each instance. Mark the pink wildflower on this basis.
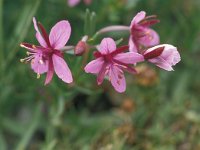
(141, 33)
(164, 56)
(73, 3)
(111, 61)
(48, 57)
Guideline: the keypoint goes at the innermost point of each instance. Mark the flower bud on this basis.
(87, 2)
(80, 48)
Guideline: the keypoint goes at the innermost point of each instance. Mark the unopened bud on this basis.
(80, 48)
(87, 2)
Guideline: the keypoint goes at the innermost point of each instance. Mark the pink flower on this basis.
(164, 56)
(48, 57)
(111, 61)
(73, 3)
(141, 34)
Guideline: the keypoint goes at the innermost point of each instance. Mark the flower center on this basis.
(108, 58)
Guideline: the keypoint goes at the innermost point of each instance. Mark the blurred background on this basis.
(160, 110)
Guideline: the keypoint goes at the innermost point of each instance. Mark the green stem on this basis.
(30, 131)
(3, 145)
(1, 34)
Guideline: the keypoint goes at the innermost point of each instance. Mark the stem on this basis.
(113, 28)
(30, 130)
(67, 48)
(1, 35)
(109, 29)
(3, 145)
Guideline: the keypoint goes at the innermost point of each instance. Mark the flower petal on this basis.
(168, 58)
(38, 35)
(160, 62)
(129, 57)
(60, 34)
(170, 54)
(73, 3)
(139, 17)
(117, 78)
(50, 72)
(38, 65)
(61, 68)
(94, 66)
(150, 39)
(107, 46)
(102, 73)
(132, 45)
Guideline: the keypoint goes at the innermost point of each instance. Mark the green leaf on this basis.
(22, 28)
(23, 143)
(90, 22)
(2, 142)
(87, 22)
(1, 34)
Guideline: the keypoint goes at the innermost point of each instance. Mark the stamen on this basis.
(149, 35)
(22, 45)
(38, 75)
(148, 32)
(150, 38)
(41, 61)
(22, 60)
(33, 46)
(27, 59)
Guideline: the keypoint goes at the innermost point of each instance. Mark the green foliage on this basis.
(162, 116)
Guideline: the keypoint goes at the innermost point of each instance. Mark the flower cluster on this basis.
(110, 61)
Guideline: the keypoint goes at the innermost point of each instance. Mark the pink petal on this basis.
(132, 46)
(170, 54)
(62, 69)
(117, 79)
(177, 58)
(60, 34)
(129, 57)
(50, 72)
(73, 3)
(38, 35)
(160, 62)
(39, 65)
(102, 73)
(107, 46)
(94, 66)
(150, 39)
(169, 57)
(139, 17)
